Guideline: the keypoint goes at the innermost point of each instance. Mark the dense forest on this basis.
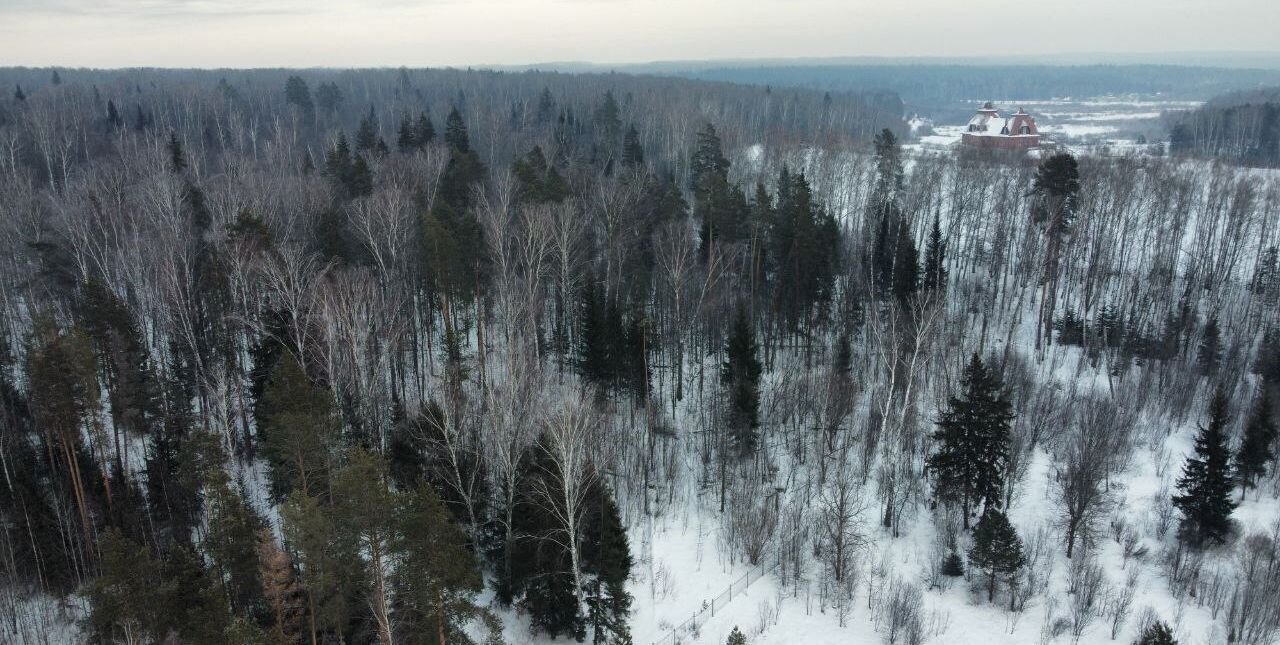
(441, 356)
(1241, 127)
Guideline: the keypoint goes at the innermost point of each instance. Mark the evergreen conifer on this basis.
(741, 375)
(997, 549)
(1206, 482)
(973, 441)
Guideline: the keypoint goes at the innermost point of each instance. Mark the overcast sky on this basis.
(305, 33)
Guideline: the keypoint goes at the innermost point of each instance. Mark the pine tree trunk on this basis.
(440, 637)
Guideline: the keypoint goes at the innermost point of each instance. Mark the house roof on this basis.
(987, 122)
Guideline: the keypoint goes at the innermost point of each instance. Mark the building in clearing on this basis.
(987, 129)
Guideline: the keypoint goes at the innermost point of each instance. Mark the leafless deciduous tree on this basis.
(1086, 588)
(1096, 444)
(568, 440)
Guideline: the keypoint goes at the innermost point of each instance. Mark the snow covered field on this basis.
(1113, 122)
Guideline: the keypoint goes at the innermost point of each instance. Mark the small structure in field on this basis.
(987, 129)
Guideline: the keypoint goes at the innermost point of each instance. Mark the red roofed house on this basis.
(987, 129)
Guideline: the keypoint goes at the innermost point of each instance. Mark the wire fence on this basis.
(688, 631)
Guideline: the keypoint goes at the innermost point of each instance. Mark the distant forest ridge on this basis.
(1241, 127)
(932, 84)
(1228, 60)
(663, 109)
(928, 86)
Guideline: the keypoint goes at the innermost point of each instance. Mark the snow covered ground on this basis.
(683, 564)
(1111, 121)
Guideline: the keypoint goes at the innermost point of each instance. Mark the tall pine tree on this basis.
(301, 427)
(435, 580)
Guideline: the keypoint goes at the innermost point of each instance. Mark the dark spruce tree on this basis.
(367, 132)
(804, 249)
(1209, 354)
(736, 637)
(542, 578)
(232, 545)
(297, 94)
(407, 136)
(895, 262)
(332, 241)
(634, 359)
(1070, 329)
(935, 260)
(1267, 362)
(359, 182)
(906, 266)
(177, 160)
(740, 374)
(594, 336)
(537, 181)
(125, 362)
(607, 558)
(889, 172)
(113, 115)
(455, 132)
(192, 605)
(451, 235)
(1204, 489)
(607, 118)
(1109, 326)
(546, 107)
(329, 97)
(126, 597)
(337, 164)
(172, 489)
(996, 550)
(953, 565)
(141, 120)
(1157, 633)
(632, 150)
(1255, 450)
(973, 441)
(424, 132)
